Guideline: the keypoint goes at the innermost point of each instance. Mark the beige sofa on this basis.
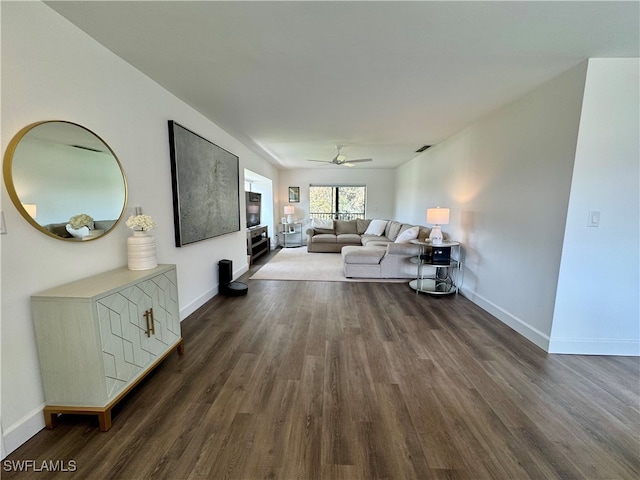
(353, 232)
(366, 255)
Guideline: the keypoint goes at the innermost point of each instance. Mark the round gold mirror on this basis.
(65, 180)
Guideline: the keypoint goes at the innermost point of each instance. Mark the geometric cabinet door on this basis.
(128, 344)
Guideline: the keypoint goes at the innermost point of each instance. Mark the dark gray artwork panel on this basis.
(206, 196)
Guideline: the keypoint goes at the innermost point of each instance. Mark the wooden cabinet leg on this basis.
(50, 419)
(104, 419)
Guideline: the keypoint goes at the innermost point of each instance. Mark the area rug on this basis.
(298, 264)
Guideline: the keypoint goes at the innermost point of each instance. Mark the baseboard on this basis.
(569, 346)
(23, 430)
(187, 310)
(3, 450)
(244, 269)
(532, 334)
(589, 346)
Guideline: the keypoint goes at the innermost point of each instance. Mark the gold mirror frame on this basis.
(13, 194)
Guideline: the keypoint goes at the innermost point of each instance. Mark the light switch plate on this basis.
(3, 226)
(594, 219)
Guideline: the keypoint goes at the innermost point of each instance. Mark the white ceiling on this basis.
(296, 78)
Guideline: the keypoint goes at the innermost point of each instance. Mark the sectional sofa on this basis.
(332, 235)
(369, 248)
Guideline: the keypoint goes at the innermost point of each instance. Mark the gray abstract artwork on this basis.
(206, 196)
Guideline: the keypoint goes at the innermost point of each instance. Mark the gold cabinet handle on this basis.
(147, 314)
(153, 326)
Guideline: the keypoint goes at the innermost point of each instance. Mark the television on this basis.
(253, 208)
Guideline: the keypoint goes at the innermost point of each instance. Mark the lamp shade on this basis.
(289, 209)
(438, 216)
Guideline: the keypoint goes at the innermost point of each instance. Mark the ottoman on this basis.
(363, 262)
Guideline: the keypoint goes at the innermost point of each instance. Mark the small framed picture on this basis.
(294, 194)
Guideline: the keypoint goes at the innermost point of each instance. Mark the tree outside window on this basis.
(339, 202)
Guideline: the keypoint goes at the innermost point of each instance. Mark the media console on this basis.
(257, 242)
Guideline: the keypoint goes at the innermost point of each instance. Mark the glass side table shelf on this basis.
(445, 257)
(291, 234)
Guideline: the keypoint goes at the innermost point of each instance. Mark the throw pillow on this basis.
(392, 230)
(325, 223)
(361, 225)
(407, 235)
(376, 227)
(345, 226)
(323, 226)
(423, 233)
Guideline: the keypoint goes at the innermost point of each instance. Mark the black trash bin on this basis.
(225, 286)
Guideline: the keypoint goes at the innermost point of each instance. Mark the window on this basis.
(340, 202)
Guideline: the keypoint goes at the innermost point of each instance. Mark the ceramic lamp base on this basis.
(436, 235)
(141, 251)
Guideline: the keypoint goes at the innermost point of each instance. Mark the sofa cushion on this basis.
(407, 235)
(392, 230)
(324, 238)
(349, 239)
(363, 255)
(104, 224)
(376, 227)
(323, 225)
(362, 224)
(345, 226)
(410, 249)
(374, 240)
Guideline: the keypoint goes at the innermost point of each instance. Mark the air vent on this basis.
(423, 148)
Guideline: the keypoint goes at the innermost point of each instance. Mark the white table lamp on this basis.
(288, 211)
(437, 216)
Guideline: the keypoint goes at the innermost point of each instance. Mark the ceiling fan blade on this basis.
(321, 161)
(360, 160)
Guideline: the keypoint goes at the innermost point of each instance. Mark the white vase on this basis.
(141, 251)
(77, 232)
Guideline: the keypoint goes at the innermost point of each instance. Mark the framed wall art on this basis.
(205, 182)
(294, 194)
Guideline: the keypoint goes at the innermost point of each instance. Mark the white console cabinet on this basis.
(99, 336)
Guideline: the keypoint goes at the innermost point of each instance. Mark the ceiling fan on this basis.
(340, 159)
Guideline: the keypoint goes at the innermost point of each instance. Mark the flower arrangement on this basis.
(140, 222)
(82, 220)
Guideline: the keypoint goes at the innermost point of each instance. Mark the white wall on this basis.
(507, 180)
(52, 70)
(380, 189)
(597, 306)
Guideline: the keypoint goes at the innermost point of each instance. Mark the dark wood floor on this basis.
(304, 380)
